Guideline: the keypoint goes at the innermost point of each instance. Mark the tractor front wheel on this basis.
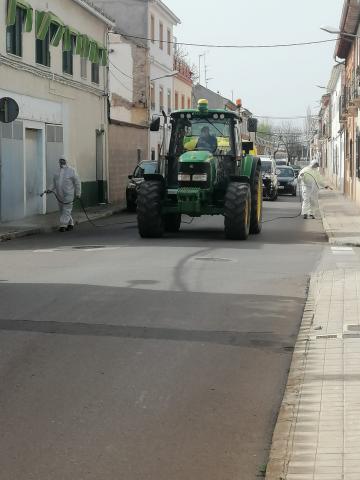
(172, 222)
(149, 205)
(237, 211)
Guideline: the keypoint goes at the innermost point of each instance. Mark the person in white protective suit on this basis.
(67, 186)
(311, 182)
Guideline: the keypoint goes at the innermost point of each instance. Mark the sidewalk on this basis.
(317, 435)
(341, 219)
(49, 222)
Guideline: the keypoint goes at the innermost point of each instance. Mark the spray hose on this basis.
(298, 214)
(51, 192)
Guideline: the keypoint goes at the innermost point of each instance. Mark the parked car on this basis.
(136, 179)
(269, 177)
(287, 180)
(282, 161)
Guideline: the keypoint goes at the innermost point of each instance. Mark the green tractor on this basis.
(206, 172)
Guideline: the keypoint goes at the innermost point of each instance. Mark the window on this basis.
(161, 98)
(83, 68)
(95, 73)
(161, 35)
(152, 28)
(43, 50)
(68, 64)
(153, 154)
(176, 101)
(169, 101)
(169, 41)
(188, 103)
(14, 34)
(182, 101)
(152, 96)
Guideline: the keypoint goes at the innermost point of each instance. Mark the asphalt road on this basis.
(123, 358)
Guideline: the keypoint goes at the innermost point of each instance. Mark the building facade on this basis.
(53, 58)
(128, 116)
(183, 83)
(334, 129)
(348, 49)
(150, 23)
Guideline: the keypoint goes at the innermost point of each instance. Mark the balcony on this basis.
(342, 106)
(354, 94)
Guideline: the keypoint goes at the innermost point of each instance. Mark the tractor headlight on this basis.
(182, 177)
(200, 177)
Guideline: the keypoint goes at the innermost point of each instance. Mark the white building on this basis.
(335, 167)
(53, 57)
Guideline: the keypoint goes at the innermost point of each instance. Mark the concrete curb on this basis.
(4, 237)
(282, 440)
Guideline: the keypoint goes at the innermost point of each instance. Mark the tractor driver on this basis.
(207, 141)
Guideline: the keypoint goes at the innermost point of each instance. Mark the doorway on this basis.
(34, 183)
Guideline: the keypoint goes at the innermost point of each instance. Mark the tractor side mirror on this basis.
(130, 177)
(155, 125)
(252, 124)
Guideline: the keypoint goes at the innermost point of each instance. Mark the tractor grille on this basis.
(195, 169)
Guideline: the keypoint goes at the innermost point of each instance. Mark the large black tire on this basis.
(256, 200)
(149, 204)
(237, 211)
(172, 222)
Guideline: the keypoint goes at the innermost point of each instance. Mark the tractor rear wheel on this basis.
(149, 204)
(237, 211)
(172, 222)
(256, 201)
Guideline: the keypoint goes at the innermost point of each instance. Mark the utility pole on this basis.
(201, 55)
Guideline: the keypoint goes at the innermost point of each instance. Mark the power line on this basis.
(123, 84)
(118, 69)
(211, 45)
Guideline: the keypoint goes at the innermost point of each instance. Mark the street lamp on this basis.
(165, 76)
(336, 31)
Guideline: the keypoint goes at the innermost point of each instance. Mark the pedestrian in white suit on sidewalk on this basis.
(67, 186)
(311, 182)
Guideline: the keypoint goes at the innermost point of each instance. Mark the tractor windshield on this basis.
(199, 133)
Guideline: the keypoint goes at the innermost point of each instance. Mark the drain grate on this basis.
(213, 259)
(86, 247)
(353, 328)
(324, 337)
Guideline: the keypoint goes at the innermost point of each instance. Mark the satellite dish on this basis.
(9, 110)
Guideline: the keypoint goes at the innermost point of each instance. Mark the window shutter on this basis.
(11, 13)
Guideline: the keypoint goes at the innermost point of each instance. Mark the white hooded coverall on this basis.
(66, 184)
(311, 182)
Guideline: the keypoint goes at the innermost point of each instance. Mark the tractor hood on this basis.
(200, 156)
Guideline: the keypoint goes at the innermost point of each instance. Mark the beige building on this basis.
(53, 58)
(183, 84)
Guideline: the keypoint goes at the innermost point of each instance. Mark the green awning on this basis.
(43, 20)
(11, 13)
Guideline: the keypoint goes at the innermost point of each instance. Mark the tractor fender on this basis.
(248, 168)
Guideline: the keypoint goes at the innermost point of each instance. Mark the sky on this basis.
(278, 82)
